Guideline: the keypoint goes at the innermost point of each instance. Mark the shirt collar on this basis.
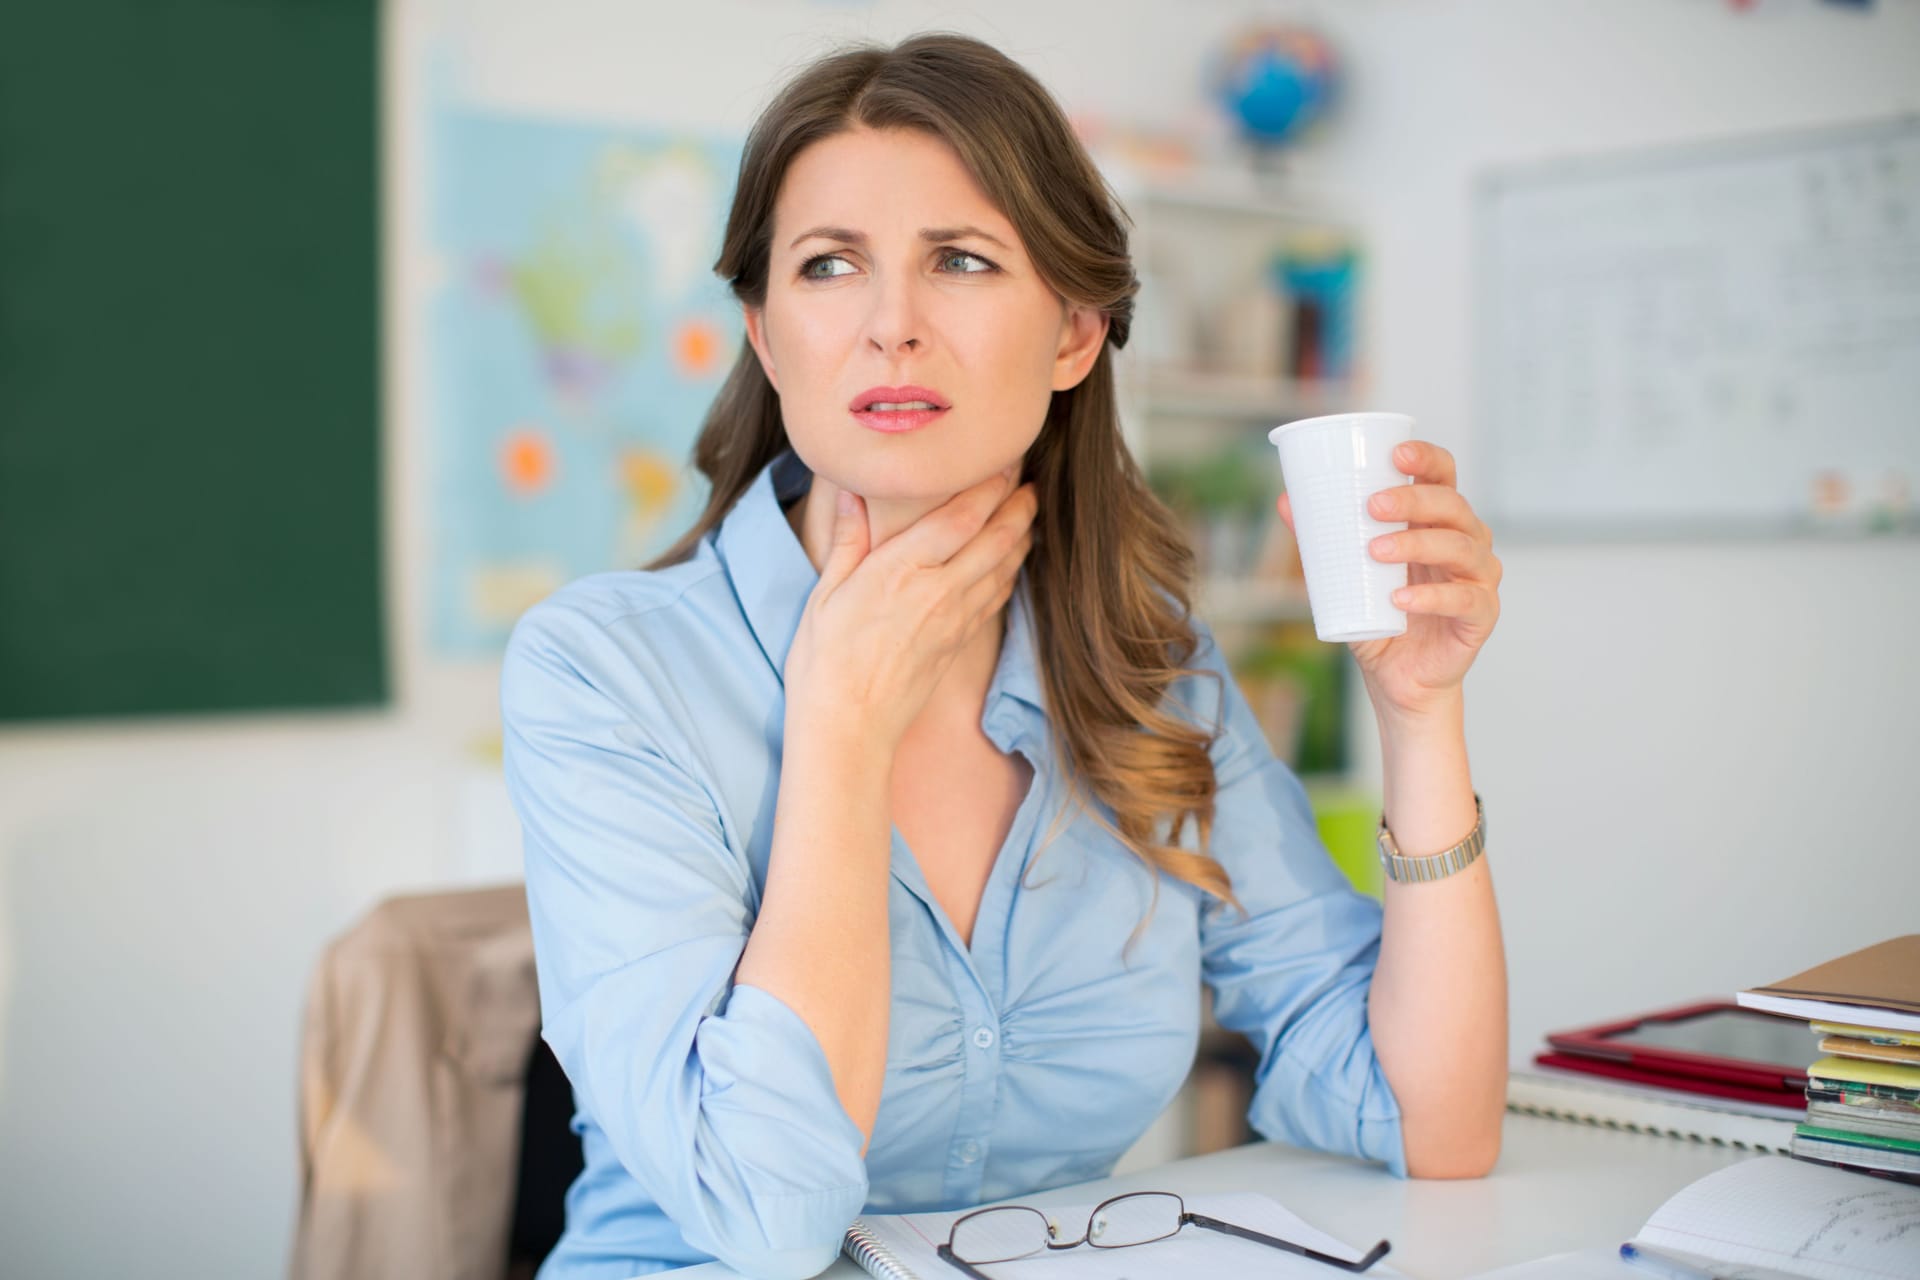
(773, 577)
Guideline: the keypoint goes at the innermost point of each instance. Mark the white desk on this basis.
(1558, 1186)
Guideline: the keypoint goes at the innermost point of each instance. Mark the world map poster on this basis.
(577, 335)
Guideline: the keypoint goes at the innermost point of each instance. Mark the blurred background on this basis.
(333, 336)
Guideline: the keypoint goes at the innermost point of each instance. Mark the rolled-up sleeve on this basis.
(1293, 974)
(717, 1098)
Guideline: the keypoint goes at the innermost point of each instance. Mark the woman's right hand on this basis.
(883, 624)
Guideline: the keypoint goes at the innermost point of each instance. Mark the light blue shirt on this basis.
(643, 716)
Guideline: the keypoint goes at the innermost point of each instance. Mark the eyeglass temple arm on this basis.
(947, 1254)
(1372, 1255)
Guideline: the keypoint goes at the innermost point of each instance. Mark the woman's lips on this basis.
(895, 420)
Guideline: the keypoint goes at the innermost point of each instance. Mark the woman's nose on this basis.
(895, 322)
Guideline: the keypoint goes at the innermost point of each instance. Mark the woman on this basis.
(881, 836)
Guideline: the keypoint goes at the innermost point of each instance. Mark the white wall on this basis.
(1690, 753)
(1690, 771)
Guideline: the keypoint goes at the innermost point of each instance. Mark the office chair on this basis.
(550, 1159)
(435, 1135)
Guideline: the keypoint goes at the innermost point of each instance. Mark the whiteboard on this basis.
(1717, 339)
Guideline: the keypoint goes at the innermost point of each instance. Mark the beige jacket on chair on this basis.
(419, 1023)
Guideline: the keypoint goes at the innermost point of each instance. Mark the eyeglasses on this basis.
(1009, 1232)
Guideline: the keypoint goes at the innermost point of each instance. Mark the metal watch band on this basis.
(1403, 870)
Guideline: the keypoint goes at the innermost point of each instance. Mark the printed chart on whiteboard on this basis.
(1714, 339)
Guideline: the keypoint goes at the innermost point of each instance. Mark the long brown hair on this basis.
(1109, 574)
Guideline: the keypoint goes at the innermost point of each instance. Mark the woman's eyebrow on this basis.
(847, 235)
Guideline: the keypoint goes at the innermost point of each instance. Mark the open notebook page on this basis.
(1195, 1251)
(1792, 1216)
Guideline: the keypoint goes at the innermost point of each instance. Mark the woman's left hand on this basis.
(1452, 596)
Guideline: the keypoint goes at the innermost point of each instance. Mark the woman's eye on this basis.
(807, 267)
(947, 256)
(985, 266)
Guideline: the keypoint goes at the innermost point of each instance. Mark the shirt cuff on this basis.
(761, 1060)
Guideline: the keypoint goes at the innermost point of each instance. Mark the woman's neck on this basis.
(962, 691)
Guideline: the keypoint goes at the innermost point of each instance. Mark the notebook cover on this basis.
(1853, 1138)
(1823, 1114)
(1892, 1074)
(1872, 1051)
(1820, 1087)
(1885, 975)
(1804, 1150)
(1858, 1098)
(1878, 1035)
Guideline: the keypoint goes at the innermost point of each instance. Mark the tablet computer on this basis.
(1710, 1040)
(1602, 1069)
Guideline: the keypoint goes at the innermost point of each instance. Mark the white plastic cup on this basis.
(1331, 465)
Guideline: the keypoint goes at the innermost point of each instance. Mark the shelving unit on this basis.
(1176, 391)
(1212, 366)
(1207, 373)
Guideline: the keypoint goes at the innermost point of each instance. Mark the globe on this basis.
(1275, 80)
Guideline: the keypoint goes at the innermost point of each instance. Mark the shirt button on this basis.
(983, 1036)
(969, 1152)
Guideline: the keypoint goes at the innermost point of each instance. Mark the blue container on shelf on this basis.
(1321, 283)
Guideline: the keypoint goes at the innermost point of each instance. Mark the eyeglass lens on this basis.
(1015, 1231)
(1000, 1235)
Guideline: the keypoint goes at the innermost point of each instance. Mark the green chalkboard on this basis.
(189, 357)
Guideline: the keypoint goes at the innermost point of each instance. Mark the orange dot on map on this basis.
(650, 479)
(526, 462)
(695, 345)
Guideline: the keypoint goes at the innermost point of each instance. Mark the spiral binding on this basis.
(1549, 1112)
(865, 1248)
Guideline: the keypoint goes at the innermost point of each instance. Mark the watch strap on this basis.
(1404, 870)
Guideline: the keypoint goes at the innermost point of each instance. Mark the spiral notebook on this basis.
(1565, 1095)
(902, 1246)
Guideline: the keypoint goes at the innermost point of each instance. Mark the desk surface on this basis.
(1558, 1186)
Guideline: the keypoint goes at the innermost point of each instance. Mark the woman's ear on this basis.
(756, 334)
(1082, 333)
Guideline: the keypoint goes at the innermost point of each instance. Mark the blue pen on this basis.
(1661, 1264)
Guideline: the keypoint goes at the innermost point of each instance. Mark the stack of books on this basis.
(1863, 1097)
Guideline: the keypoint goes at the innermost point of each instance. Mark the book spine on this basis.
(1833, 1115)
(1848, 1155)
(1809, 1152)
(1904, 1146)
(1865, 1102)
(874, 1257)
(1891, 1093)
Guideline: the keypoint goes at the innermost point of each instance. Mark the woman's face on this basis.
(889, 267)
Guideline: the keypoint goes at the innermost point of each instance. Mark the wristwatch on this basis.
(1440, 865)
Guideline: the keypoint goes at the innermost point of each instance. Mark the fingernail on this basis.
(1383, 503)
(845, 502)
(1406, 452)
